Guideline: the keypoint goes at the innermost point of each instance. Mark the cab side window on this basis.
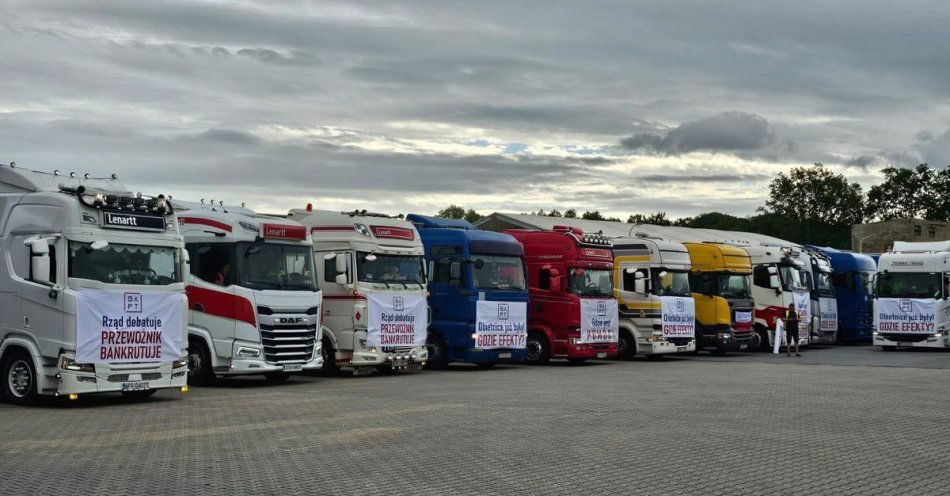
(215, 262)
(441, 271)
(760, 276)
(329, 270)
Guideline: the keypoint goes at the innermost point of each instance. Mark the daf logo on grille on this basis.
(290, 320)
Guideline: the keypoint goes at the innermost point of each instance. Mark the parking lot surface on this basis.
(839, 420)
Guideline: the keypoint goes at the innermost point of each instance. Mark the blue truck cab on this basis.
(466, 265)
(852, 273)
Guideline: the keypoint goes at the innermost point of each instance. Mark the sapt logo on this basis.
(906, 306)
(680, 305)
(133, 302)
(398, 304)
(503, 311)
(602, 308)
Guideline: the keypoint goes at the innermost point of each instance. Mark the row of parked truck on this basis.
(104, 290)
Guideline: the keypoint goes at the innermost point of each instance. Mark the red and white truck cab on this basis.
(253, 300)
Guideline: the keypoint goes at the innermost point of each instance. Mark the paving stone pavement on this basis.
(848, 420)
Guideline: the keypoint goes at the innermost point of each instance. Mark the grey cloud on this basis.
(862, 161)
(712, 177)
(725, 132)
(228, 136)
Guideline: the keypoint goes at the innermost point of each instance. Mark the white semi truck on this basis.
(372, 272)
(254, 303)
(651, 283)
(912, 296)
(92, 298)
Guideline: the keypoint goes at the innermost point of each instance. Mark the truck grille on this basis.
(396, 349)
(147, 376)
(287, 343)
(906, 338)
(679, 341)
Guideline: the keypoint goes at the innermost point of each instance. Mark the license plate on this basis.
(681, 348)
(601, 355)
(399, 362)
(293, 367)
(135, 386)
(504, 355)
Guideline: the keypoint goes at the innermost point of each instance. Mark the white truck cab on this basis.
(360, 254)
(648, 271)
(254, 304)
(72, 245)
(912, 296)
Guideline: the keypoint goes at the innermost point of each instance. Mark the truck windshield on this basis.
(498, 272)
(125, 264)
(823, 282)
(276, 266)
(591, 282)
(791, 278)
(389, 269)
(909, 285)
(671, 283)
(734, 286)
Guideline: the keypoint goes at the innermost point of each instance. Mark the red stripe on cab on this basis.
(221, 304)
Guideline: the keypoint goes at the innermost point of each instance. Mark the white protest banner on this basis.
(906, 316)
(779, 335)
(829, 314)
(802, 301)
(679, 316)
(501, 324)
(115, 326)
(743, 317)
(396, 318)
(599, 321)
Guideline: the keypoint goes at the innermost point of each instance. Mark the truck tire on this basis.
(199, 363)
(438, 353)
(330, 368)
(139, 394)
(539, 351)
(19, 378)
(627, 347)
(763, 335)
(276, 377)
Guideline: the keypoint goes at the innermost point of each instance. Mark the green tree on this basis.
(812, 199)
(452, 212)
(554, 213)
(657, 219)
(570, 214)
(473, 216)
(909, 194)
(593, 215)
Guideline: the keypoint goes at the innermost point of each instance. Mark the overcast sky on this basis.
(407, 106)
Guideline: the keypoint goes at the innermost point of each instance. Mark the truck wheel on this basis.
(19, 378)
(276, 377)
(627, 348)
(139, 394)
(438, 353)
(330, 368)
(199, 363)
(539, 352)
(486, 365)
(763, 336)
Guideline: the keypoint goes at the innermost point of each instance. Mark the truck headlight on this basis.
(181, 362)
(244, 352)
(725, 335)
(67, 363)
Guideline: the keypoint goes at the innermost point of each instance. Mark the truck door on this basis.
(211, 298)
(41, 315)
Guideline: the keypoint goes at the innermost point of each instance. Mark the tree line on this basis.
(808, 205)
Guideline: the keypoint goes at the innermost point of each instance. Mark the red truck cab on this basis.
(570, 280)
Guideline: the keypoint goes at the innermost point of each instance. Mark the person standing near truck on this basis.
(791, 329)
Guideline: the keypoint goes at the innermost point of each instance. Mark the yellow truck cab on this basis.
(720, 280)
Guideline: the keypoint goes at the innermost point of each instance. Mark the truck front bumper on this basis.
(650, 347)
(367, 358)
(245, 366)
(477, 355)
(585, 351)
(940, 341)
(113, 379)
(728, 340)
(824, 337)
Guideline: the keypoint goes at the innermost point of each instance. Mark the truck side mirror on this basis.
(342, 276)
(773, 270)
(774, 283)
(39, 259)
(555, 280)
(639, 283)
(455, 270)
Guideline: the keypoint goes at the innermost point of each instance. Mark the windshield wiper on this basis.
(274, 285)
